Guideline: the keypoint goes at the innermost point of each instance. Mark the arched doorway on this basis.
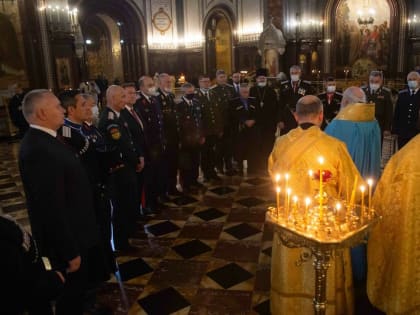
(121, 17)
(219, 42)
(361, 35)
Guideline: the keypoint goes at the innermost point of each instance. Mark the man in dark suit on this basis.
(224, 93)
(267, 114)
(191, 138)
(331, 100)
(406, 116)
(381, 96)
(156, 171)
(123, 164)
(59, 198)
(212, 117)
(245, 132)
(136, 127)
(290, 92)
(166, 101)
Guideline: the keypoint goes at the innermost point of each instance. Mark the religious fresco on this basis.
(12, 66)
(363, 42)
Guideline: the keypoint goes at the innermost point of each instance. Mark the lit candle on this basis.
(288, 193)
(353, 192)
(286, 177)
(362, 189)
(295, 205)
(321, 162)
(370, 184)
(286, 189)
(337, 208)
(278, 200)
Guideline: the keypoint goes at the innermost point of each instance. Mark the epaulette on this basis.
(111, 115)
(214, 86)
(403, 91)
(229, 85)
(321, 94)
(284, 82)
(307, 82)
(386, 89)
(252, 97)
(239, 107)
(364, 87)
(339, 93)
(252, 106)
(66, 131)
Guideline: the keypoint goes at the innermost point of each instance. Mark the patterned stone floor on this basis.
(207, 253)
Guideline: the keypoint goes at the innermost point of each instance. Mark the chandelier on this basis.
(366, 15)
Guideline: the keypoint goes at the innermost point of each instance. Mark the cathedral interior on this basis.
(208, 252)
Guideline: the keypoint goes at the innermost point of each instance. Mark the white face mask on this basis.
(152, 91)
(412, 85)
(331, 88)
(295, 77)
(95, 112)
(374, 86)
(262, 83)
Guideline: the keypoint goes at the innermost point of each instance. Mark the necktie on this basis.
(137, 118)
(294, 87)
(207, 95)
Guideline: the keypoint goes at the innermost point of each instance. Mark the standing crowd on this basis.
(88, 179)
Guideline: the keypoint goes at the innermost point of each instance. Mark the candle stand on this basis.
(322, 236)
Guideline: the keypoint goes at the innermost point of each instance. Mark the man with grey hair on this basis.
(59, 198)
(406, 116)
(356, 125)
(381, 96)
(291, 285)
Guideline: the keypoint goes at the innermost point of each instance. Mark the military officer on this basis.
(406, 116)
(290, 92)
(124, 162)
(212, 117)
(381, 96)
(224, 93)
(331, 100)
(245, 129)
(267, 114)
(191, 138)
(148, 109)
(166, 100)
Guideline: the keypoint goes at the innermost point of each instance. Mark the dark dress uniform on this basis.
(383, 106)
(212, 118)
(223, 94)
(101, 262)
(155, 166)
(16, 115)
(191, 133)
(406, 116)
(167, 106)
(290, 93)
(267, 114)
(136, 127)
(60, 209)
(245, 138)
(122, 181)
(331, 103)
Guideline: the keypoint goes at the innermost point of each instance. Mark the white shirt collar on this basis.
(51, 132)
(129, 108)
(146, 96)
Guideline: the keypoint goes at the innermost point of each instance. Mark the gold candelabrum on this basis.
(321, 223)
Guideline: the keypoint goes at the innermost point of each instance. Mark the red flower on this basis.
(326, 175)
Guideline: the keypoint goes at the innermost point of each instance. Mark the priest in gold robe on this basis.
(393, 281)
(293, 286)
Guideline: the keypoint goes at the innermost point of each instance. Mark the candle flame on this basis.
(370, 181)
(277, 177)
(286, 176)
(311, 173)
(321, 160)
(289, 191)
(278, 190)
(295, 199)
(307, 201)
(362, 188)
(338, 206)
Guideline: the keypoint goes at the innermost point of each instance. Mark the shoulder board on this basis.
(403, 91)
(238, 107)
(284, 82)
(307, 82)
(364, 87)
(213, 87)
(66, 131)
(339, 93)
(229, 85)
(252, 106)
(252, 97)
(111, 115)
(321, 94)
(386, 89)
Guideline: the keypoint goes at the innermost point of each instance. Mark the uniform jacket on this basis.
(136, 131)
(331, 106)
(406, 115)
(224, 93)
(167, 106)
(212, 113)
(242, 113)
(190, 122)
(383, 105)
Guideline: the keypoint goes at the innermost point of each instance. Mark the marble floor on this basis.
(205, 253)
